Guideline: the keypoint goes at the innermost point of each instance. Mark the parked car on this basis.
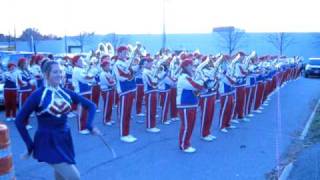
(312, 67)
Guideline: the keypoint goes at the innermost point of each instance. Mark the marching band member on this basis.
(68, 73)
(24, 85)
(164, 87)
(268, 81)
(260, 87)
(187, 103)
(140, 91)
(67, 81)
(150, 83)
(116, 95)
(36, 70)
(207, 98)
(161, 86)
(107, 83)
(240, 73)
(10, 92)
(174, 73)
(94, 71)
(52, 142)
(227, 97)
(126, 88)
(31, 63)
(250, 83)
(81, 81)
(275, 76)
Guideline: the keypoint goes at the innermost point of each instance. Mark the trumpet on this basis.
(160, 71)
(232, 65)
(207, 72)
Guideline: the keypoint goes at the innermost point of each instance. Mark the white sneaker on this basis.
(246, 120)
(84, 132)
(235, 121)
(261, 108)
(13, 119)
(258, 111)
(132, 136)
(128, 139)
(209, 138)
(140, 114)
(265, 104)
(109, 123)
(71, 115)
(167, 122)
(232, 127)
(189, 150)
(224, 130)
(8, 119)
(29, 127)
(175, 119)
(153, 130)
(250, 115)
(157, 116)
(98, 110)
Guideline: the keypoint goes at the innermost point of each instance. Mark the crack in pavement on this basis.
(127, 154)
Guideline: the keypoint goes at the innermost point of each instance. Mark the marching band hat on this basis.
(22, 60)
(38, 58)
(186, 62)
(122, 48)
(75, 59)
(11, 64)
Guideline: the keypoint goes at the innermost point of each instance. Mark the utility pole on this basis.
(164, 36)
(15, 38)
(65, 43)
(9, 40)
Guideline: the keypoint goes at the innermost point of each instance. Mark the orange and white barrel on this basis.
(6, 162)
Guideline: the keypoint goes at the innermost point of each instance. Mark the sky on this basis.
(71, 17)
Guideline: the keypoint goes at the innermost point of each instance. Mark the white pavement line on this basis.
(287, 169)
(306, 128)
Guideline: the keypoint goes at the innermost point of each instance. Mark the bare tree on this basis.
(230, 36)
(84, 38)
(32, 36)
(116, 40)
(281, 41)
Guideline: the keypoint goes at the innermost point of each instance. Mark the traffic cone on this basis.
(6, 165)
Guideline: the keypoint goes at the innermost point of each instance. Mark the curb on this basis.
(286, 172)
(306, 128)
(287, 169)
